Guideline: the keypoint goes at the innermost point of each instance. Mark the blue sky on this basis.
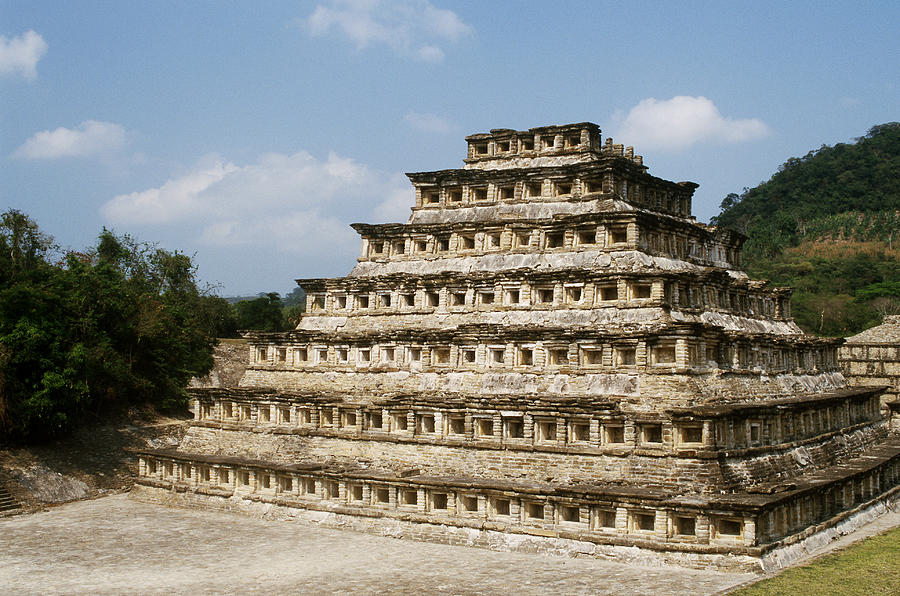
(250, 134)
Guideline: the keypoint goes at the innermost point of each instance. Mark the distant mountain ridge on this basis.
(828, 224)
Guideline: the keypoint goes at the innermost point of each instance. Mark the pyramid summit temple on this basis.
(550, 354)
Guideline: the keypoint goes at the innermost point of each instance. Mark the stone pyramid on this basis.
(551, 350)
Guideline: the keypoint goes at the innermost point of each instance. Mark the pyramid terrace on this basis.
(552, 347)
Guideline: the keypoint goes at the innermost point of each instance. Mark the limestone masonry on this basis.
(550, 347)
(873, 358)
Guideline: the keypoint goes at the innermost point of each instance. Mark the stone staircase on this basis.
(8, 505)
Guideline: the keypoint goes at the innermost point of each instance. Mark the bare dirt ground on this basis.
(116, 545)
(89, 463)
(92, 461)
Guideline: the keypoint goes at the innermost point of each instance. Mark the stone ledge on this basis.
(778, 557)
(755, 501)
(723, 558)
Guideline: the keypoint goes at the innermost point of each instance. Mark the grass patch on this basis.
(867, 568)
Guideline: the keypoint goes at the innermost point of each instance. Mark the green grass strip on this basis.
(870, 568)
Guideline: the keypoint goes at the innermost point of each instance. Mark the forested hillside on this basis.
(827, 224)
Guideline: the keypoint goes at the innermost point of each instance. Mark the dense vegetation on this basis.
(827, 224)
(267, 312)
(85, 333)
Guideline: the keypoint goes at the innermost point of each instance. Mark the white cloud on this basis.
(409, 27)
(290, 203)
(431, 54)
(20, 54)
(431, 123)
(397, 202)
(175, 200)
(682, 121)
(88, 138)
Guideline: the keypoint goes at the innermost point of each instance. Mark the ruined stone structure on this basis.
(872, 358)
(551, 346)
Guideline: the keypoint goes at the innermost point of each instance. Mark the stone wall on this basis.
(635, 391)
(550, 345)
(230, 360)
(687, 450)
(476, 461)
(646, 518)
(872, 358)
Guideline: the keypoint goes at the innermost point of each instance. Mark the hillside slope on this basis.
(828, 224)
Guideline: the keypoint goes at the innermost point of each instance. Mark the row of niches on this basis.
(552, 189)
(548, 355)
(523, 429)
(684, 524)
(798, 514)
(604, 292)
(529, 144)
(518, 239)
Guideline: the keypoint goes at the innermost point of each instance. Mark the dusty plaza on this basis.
(117, 545)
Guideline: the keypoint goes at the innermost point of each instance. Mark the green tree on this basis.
(856, 177)
(296, 297)
(261, 314)
(219, 316)
(119, 324)
(23, 247)
(294, 306)
(882, 297)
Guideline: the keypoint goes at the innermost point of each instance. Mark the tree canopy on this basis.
(262, 314)
(85, 333)
(846, 190)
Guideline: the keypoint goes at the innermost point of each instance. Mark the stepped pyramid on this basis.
(550, 348)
